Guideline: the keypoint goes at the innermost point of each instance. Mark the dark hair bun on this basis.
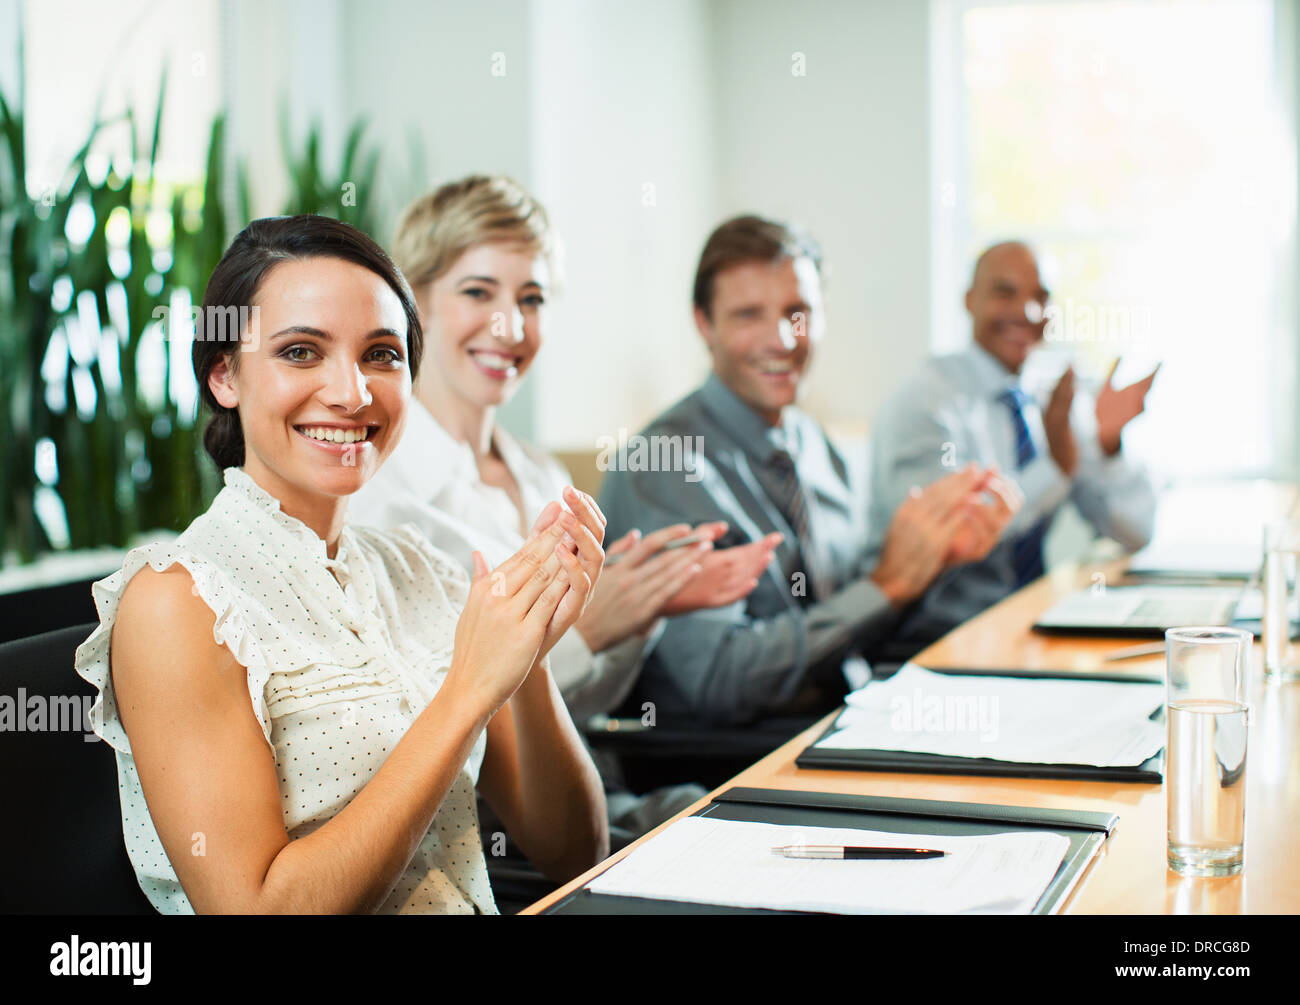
(224, 439)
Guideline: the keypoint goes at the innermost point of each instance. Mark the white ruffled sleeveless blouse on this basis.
(342, 655)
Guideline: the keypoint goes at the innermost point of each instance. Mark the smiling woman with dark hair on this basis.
(301, 710)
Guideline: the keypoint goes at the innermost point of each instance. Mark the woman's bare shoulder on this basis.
(162, 622)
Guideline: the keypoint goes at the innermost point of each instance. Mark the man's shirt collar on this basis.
(755, 436)
(989, 378)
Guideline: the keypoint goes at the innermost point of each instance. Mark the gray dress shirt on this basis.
(781, 650)
(952, 413)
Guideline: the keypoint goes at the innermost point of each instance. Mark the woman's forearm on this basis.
(561, 794)
(352, 863)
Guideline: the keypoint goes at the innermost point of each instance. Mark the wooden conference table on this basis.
(1129, 876)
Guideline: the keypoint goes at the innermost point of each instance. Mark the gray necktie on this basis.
(794, 507)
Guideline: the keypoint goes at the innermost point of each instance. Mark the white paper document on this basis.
(1024, 720)
(704, 860)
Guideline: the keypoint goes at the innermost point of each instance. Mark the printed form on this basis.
(1020, 719)
(705, 860)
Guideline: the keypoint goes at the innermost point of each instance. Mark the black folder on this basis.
(1087, 831)
(1149, 771)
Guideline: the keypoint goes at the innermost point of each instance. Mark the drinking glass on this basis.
(1281, 601)
(1205, 750)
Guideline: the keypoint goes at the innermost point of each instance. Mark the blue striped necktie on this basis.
(1027, 551)
(1015, 399)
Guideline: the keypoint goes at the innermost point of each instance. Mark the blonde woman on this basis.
(477, 253)
(301, 710)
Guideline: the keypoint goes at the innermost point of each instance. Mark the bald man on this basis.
(970, 407)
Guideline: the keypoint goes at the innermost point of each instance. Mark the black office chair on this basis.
(61, 850)
(688, 751)
(24, 613)
(516, 883)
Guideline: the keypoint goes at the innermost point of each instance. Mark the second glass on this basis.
(1281, 600)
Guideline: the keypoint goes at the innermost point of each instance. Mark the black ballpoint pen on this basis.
(843, 852)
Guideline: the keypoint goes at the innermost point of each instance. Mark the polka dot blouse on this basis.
(342, 654)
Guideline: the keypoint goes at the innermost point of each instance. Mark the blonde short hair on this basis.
(438, 228)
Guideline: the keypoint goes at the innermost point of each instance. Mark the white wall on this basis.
(413, 71)
(640, 126)
(624, 147)
(289, 52)
(844, 150)
(419, 69)
(698, 100)
(1288, 62)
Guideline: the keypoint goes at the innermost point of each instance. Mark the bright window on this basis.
(81, 57)
(1146, 150)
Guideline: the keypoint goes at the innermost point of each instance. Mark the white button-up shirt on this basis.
(952, 413)
(342, 655)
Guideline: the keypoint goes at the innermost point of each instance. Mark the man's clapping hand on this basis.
(992, 503)
(953, 520)
(1117, 407)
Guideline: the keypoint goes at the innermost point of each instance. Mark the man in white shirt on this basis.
(970, 406)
